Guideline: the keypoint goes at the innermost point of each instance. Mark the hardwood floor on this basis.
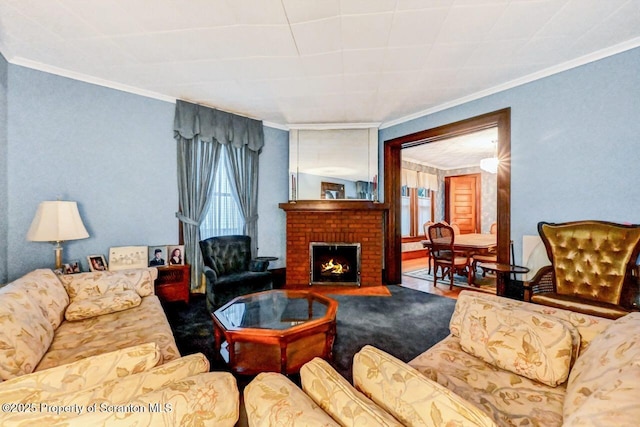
(425, 285)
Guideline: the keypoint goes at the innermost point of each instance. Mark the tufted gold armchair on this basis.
(591, 271)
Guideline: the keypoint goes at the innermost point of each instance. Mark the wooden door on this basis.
(462, 202)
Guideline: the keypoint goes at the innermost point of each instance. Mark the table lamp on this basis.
(57, 222)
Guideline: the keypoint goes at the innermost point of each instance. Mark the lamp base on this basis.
(58, 249)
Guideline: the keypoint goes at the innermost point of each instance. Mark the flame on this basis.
(334, 268)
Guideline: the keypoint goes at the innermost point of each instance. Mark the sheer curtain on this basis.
(223, 217)
(200, 133)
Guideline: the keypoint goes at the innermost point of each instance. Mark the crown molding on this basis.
(592, 57)
(108, 84)
(89, 79)
(585, 59)
(275, 125)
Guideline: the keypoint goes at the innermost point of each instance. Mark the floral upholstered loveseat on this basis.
(506, 363)
(96, 348)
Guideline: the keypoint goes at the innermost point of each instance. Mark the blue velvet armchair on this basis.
(230, 271)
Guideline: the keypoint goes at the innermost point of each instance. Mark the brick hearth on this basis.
(334, 222)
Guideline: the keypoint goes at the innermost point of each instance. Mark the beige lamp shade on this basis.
(57, 221)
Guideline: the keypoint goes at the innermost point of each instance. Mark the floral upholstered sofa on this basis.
(96, 348)
(506, 363)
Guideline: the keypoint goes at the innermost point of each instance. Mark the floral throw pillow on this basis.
(529, 344)
(104, 304)
(604, 384)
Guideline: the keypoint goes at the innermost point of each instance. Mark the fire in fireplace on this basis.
(334, 263)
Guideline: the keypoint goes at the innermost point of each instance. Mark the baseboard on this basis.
(413, 254)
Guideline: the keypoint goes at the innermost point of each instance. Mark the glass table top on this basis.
(276, 309)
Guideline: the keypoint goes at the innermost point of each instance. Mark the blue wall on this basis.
(575, 145)
(273, 189)
(4, 68)
(112, 152)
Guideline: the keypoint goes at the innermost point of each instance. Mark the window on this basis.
(223, 217)
(424, 208)
(406, 211)
(416, 210)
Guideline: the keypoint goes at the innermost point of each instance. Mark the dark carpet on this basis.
(193, 328)
(404, 325)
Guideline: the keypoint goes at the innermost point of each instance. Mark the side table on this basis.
(266, 259)
(278, 275)
(173, 283)
(500, 270)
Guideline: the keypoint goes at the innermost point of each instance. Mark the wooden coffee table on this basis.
(275, 331)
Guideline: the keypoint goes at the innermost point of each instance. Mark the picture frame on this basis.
(128, 257)
(72, 267)
(97, 263)
(158, 256)
(174, 257)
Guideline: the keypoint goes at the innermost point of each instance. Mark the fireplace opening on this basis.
(334, 263)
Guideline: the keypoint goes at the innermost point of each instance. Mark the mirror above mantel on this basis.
(333, 162)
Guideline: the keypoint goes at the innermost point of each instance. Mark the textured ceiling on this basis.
(455, 153)
(314, 61)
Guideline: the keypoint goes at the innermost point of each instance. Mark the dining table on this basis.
(470, 244)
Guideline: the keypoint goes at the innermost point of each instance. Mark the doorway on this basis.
(392, 171)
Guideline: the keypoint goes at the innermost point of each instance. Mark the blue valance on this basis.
(215, 125)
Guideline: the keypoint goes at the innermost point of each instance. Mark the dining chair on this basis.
(476, 258)
(429, 239)
(426, 226)
(492, 256)
(456, 228)
(444, 255)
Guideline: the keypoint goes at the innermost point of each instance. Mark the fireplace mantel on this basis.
(333, 205)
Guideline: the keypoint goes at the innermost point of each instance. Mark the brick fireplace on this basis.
(331, 222)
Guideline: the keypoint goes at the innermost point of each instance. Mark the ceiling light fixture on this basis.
(490, 164)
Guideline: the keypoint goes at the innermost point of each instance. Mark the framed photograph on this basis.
(72, 267)
(176, 255)
(157, 256)
(97, 263)
(128, 257)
